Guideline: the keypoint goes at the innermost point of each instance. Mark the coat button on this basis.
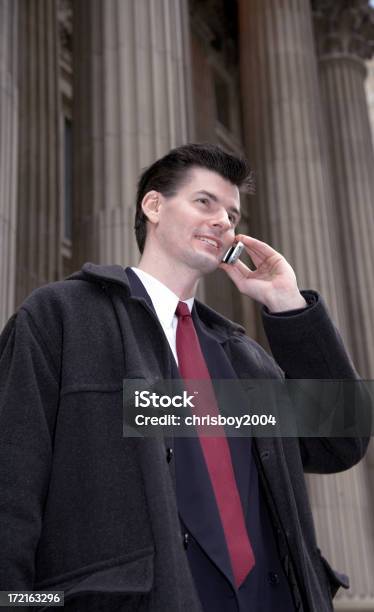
(186, 539)
(273, 578)
(169, 454)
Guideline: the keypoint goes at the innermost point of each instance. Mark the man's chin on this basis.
(205, 264)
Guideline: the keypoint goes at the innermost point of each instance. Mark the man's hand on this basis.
(273, 283)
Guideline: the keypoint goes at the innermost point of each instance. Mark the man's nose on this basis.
(221, 220)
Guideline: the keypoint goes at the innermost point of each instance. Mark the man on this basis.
(127, 523)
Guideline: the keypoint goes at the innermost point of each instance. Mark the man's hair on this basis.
(167, 175)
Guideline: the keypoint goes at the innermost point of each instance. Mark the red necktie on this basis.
(216, 450)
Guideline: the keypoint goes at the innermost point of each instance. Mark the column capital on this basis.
(344, 27)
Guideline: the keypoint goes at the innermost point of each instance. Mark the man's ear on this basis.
(151, 205)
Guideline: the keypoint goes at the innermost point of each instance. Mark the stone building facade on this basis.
(92, 91)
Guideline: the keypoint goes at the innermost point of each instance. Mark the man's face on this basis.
(197, 225)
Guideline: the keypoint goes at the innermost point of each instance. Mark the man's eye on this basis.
(203, 200)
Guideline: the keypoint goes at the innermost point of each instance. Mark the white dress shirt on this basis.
(165, 303)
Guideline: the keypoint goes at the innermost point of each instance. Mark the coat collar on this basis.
(116, 275)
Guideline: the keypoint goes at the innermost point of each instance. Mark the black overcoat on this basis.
(83, 509)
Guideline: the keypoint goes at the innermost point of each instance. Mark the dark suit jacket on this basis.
(86, 511)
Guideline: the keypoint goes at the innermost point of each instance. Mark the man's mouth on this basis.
(214, 242)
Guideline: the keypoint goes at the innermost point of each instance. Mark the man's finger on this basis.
(257, 249)
(238, 271)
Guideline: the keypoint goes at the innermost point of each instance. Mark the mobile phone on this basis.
(233, 253)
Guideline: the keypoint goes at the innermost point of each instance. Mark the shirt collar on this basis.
(163, 299)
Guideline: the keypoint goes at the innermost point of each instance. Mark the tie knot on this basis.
(182, 310)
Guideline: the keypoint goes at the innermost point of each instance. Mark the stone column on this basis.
(8, 153)
(131, 104)
(345, 34)
(282, 124)
(38, 222)
(286, 142)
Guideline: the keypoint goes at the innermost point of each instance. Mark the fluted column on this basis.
(345, 37)
(131, 104)
(8, 153)
(286, 142)
(282, 123)
(38, 223)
